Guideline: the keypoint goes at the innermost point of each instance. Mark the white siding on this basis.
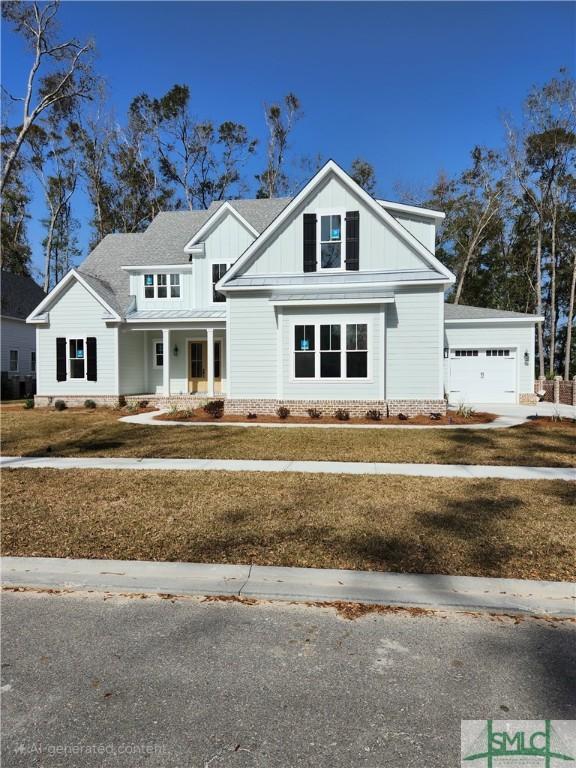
(494, 335)
(306, 389)
(186, 300)
(76, 314)
(422, 229)
(380, 246)
(414, 344)
(132, 369)
(15, 334)
(252, 335)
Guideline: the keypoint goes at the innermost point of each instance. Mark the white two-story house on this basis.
(330, 299)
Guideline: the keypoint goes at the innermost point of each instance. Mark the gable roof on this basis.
(332, 168)
(92, 285)
(455, 312)
(19, 295)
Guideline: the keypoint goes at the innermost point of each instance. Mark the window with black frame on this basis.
(304, 352)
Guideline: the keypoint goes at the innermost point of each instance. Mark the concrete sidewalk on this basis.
(297, 584)
(319, 467)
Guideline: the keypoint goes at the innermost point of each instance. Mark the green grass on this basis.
(42, 432)
(418, 525)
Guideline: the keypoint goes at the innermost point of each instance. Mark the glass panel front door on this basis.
(198, 381)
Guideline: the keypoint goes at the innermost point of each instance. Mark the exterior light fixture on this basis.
(526, 357)
(175, 350)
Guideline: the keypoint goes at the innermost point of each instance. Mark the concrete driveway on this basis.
(128, 683)
(518, 411)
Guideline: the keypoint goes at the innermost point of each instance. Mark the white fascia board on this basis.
(369, 201)
(427, 213)
(72, 275)
(325, 302)
(41, 320)
(468, 320)
(331, 287)
(156, 267)
(225, 208)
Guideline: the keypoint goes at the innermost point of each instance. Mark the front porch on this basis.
(173, 365)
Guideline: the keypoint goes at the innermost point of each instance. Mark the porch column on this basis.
(166, 355)
(210, 360)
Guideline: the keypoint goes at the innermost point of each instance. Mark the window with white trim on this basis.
(331, 242)
(218, 271)
(77, 357)
(331, 351)
(158, 353)
(14, 361)
(156, 286)
(465, 353)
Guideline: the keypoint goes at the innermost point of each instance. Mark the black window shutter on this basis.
(353, 240)
(309, 242)
(91, 368)
(60, 359)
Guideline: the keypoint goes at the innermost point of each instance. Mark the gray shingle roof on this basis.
(260, 213)
(462, 312)
(331, 278)
(20, 295)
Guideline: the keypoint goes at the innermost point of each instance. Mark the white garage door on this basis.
(482, 376)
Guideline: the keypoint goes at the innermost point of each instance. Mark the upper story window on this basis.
(331, 250)
(218, 271)
(162, 286)
(76, 351)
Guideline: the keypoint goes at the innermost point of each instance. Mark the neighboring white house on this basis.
(19, 296)
(329, 299)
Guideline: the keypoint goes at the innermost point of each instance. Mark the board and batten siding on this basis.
(131, 354)
(224, 244)
(252, 339)
(380, 247)
(423, 229)
(415, 344)
(76, 314)
(324, 389)
(521, 336)
(15, 334)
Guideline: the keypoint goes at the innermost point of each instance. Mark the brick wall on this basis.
(357, 408)
(112, 401)
(557, 391)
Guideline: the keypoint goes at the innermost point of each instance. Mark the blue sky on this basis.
(409, 86)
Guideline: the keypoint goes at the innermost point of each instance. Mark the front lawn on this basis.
(43, 432)
(416, 525)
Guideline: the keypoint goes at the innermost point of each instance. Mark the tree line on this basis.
(510, 228)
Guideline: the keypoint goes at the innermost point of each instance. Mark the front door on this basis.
(197, 379)
(198, 366)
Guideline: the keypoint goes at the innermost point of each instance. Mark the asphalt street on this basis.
(130, 682)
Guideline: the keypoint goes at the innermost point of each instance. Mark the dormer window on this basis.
(156, 286)
(331, 255)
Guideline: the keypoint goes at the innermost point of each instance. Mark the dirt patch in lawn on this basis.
(498, 528)
(452, 417)
(43, 432)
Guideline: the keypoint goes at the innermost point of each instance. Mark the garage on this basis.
(483, 375)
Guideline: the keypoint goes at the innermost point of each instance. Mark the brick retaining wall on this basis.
(557, 390)
(357, 408)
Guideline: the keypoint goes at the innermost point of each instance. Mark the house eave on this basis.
(482, 320)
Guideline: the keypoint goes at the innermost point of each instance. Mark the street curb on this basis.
(538, 598)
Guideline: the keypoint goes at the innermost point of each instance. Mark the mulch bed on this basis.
(199, 414)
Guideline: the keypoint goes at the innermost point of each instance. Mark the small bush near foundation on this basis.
(402, 417)
(342, 414)
(59, 405)
(374, 415)
(252, 415)
(89, 404)
(29, 403)
(282, 412)
(215, 408)
(435, 416)
(314, 413)
(121, 402)
(465, 411)
(143, 403)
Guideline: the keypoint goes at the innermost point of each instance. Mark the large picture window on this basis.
(341, 351)
(331, 241)
(156, 286)
(76, 348)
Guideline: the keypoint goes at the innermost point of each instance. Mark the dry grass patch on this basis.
(41, 432)
(418, 525)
